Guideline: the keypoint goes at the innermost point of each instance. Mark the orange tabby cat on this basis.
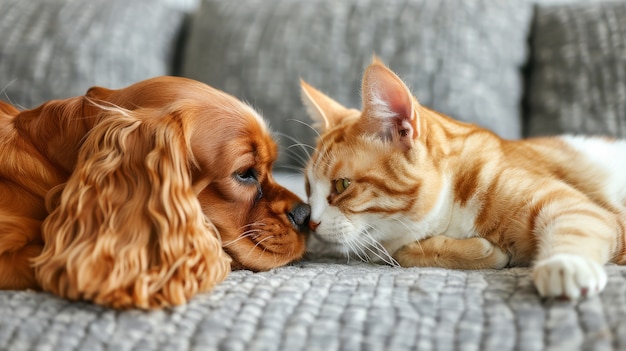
(402, 180)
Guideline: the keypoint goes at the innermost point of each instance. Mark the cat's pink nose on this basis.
(313, 225)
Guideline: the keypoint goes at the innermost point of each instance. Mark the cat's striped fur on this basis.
(401, 180)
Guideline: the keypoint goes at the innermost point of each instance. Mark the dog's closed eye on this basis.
(247, 176)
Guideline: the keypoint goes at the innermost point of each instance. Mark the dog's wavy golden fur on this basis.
(140, 197)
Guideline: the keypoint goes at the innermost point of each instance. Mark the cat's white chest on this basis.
(447, 218)
(462, 220)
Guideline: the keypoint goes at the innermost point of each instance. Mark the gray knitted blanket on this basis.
(333, 306)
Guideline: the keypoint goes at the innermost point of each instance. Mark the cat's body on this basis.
(398, 173)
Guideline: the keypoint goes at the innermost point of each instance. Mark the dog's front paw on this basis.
(570, 276)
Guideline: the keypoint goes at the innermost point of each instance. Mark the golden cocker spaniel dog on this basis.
(140, 197)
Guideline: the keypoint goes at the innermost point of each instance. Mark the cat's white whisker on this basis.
(302, 146)
(357, 249)
(306, 125)
(379, 250)
(297, 158)
(293, 154)
(409, 231)
(289, 168)
(291, 138)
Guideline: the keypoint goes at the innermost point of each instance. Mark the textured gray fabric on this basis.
(578, 66)
(330, 306)
(53, 49)
(462, 58)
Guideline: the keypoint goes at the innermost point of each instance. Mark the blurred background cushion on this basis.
(52, 49)
(578, 80)
(462, 58)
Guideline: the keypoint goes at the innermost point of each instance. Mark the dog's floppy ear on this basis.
(127, 229)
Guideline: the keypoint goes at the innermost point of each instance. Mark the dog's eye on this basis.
(246, 176)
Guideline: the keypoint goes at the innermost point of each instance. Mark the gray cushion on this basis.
(460, 57)
(56, 48)
(578, 82)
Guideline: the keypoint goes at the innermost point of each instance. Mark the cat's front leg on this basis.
(446, 252)
(574, 240)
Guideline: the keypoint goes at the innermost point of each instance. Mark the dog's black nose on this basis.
(299, 215)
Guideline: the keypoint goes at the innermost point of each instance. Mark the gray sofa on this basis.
(519, 67)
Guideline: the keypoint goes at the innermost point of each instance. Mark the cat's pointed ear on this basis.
(376, 60)
(325, 111)
(389, 105)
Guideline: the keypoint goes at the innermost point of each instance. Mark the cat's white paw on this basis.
(569, 276)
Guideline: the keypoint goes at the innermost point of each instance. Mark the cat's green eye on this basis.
(341, 185)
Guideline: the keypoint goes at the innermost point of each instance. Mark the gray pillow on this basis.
(462, 58)
(53, 49)
(578, 80)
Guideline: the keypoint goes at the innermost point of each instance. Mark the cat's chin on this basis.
(318, 247)
(338, 242)
(334, 243)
